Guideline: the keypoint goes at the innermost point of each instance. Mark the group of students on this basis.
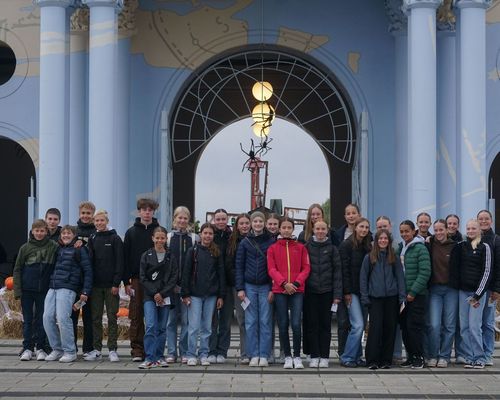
(430, 290)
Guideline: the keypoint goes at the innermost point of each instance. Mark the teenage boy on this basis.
(106, 255)
(53, 218)
(32, 271)
(138, 239)
(85, 228)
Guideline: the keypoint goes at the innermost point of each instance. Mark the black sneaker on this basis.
(385, 366)
(407, 364)
(373, 366)
(418, 363)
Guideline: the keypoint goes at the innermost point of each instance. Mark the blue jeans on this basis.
(258, 320)
(357, 318)
(283, 302)
(443, 312)
(57, 320)
(470, 327)
(489, 326)
(155, 319)
(221, 326)
(33, 332)
(200, 314)
(179, 312)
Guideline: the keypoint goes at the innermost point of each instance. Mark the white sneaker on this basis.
(205, 362)
(162, 363)
(221, 359)
(94, 355)
(67, 358)
(263, 362)
(40, 355)
(212, 359)
(431, 363)
(323, 362)
(254, 362)
(442, 363)
(113, 356)
(297, 363)
(489, 362)
(54, 355)
(288, 363)
(314, 363)
(244, 360)
(26, 355)
(192, 362)
(146, 365)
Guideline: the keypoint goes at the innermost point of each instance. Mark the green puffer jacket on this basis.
(417, 266)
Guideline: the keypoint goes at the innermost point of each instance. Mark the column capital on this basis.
(54, 3)
(398, 22)
(446, 20)
(411, 4)
(103, 3)
(79, 20)
(126, 18)
(473, 4)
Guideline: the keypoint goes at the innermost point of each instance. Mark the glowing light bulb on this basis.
(262, 91)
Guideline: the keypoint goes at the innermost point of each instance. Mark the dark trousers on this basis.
(343, 326)
(412, 322)
(293, 302)
(88, 337)
(136, 315)
(32, 305)
(382, 334)
(318, 331)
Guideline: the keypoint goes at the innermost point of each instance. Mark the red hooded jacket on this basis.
(288, 262)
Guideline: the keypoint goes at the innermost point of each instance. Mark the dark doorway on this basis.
(494, 189)
(16, 170)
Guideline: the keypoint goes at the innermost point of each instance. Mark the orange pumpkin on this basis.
(122, 312)
(9, 283)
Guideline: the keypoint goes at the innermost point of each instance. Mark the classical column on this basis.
(78, 111)
(399, 29)
(472, 110)
(52, 183)
(101, 123)
(447, 114)
(126, 29)
(421, 106)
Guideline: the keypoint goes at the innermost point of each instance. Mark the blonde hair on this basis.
(102, 212)
(475, 242)
(182, 210)
(39, 223)
(86, 204)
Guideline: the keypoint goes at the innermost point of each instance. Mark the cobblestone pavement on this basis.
(123, 380)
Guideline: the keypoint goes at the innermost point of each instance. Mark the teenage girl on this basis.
(314, 213)
(473, 259)
(241, 229)
(221, 324)
(273, 224)
(351, 215)
(382, 289)
(179, 240)
(417, 266)
(452, 226)
(352, 253)
(203, 289)
(323, 287)
(423, 225)
(443, 297)
(288, 266)
(158, 276)
(254, 290)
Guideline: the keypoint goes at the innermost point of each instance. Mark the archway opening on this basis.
(494, 189)
(298, 172)
(16, 171)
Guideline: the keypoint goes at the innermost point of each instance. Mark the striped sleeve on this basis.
(483, 284)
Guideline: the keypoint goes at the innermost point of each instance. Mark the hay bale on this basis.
(8, 302)
(11, 325)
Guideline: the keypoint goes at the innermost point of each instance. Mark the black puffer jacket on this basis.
(352, 259)
(326, 269)
(73, 270)
(137, 240)
(178, 243)
(84, 231)
(106, 254)
(203, 274)
(494, 242)
(474, 267)
(158, 277)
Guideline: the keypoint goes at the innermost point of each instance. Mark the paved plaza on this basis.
(123, 380)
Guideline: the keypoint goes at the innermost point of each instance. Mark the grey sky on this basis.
(298, 172)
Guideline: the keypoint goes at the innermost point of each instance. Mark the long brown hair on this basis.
(235, 234)
(308, 232)
(212, 247)
(365, 242)
(375, 251)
